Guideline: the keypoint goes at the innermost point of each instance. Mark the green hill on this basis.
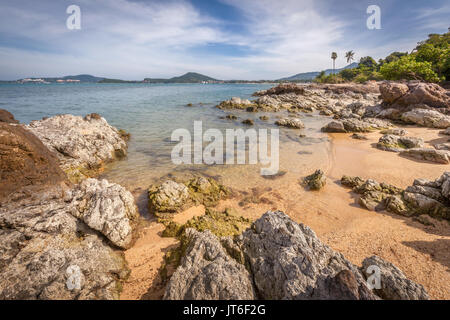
(190, 77)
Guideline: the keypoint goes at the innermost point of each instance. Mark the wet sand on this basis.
(421, 252)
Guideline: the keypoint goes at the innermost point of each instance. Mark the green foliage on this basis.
(368, 63)
(408, 68)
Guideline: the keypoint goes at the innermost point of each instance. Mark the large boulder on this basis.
(25, 161)
(207, 272)
(83, 145)
(394, 284)
(390, 142)
(428, 154)
(426, 118)
(334, 126)
(288, 261)
(47, 253)
(392, 91)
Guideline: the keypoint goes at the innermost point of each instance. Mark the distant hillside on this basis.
(312, 75)
(83, 78)
(190, 77)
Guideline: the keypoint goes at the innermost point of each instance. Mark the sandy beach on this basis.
(421, 252)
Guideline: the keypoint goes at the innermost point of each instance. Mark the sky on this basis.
(224, 39)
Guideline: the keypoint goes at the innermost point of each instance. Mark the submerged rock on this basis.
(394, 284)
(83, 145)
(294, 123)
(207, 272)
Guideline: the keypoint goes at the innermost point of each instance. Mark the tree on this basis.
(408, 68)
(368, 62)
(350, 55)
(334, 57)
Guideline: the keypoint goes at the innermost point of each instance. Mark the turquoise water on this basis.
(150, 112)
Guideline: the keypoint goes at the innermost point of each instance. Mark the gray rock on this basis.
(288, 261)
(295, 123)
(428, 154)
(394, 284)
(442, 146)
(40, 239)
(426, 118)
(81, 144)
(395, 131)
(390, 142)
(207, 272)
(169, 196)
(107, 208)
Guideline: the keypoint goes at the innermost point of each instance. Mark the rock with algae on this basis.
(315, 181)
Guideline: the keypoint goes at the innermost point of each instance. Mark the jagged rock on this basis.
(316, 181)
(207, 272)
(428, 154)
(25, 161)
(40, 239)
(366, 125)
(107, 208)
(82, 145)
(334, 126)
(6, 116)
(426, 118)
(235, 103)
(442, 146)
(290, 123)
(392, 91)
(390, 142)
(394, 284)
(288, 261)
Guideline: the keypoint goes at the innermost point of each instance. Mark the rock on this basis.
(25, 161)
(358, 136)
(43, 246)
(235, 103)
(366, 125)
(442, 146)
(170, 196)
(390, 142)
(107, 208)
(446, 131)
(334, 126)
(264, 118)
(395, 131)
(394, 284)
(351, 182)
(230, 117)
(426, 118)
(249, 122)
(288, 261)
(295, 123)
(391, 91)
(207, 272)
(316, 181)
(83, 145)
(428, 154)
(6, 116)
(426, 220)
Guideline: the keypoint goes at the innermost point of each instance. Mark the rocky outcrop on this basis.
(394, 284)
(171, 197)
(207, 272)
(315, 181)
(293, 123)
(423, 197)
(7, 117)
(284, 260)
(47, 253)
(25, 161)
(428, 154)
(390, 142)
(235, 103)
(288, 261)
(83, 145)
(105, 207)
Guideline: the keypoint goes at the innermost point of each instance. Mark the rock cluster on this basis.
(83, 145)
(423, 197)
(283, 260)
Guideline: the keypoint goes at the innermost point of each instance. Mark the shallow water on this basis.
(150, 112)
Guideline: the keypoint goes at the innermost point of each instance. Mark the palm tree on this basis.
(334, 57)
(350, 56)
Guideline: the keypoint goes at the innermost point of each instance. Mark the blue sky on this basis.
(225, 39)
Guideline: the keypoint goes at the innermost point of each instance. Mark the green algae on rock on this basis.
(315, 181)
